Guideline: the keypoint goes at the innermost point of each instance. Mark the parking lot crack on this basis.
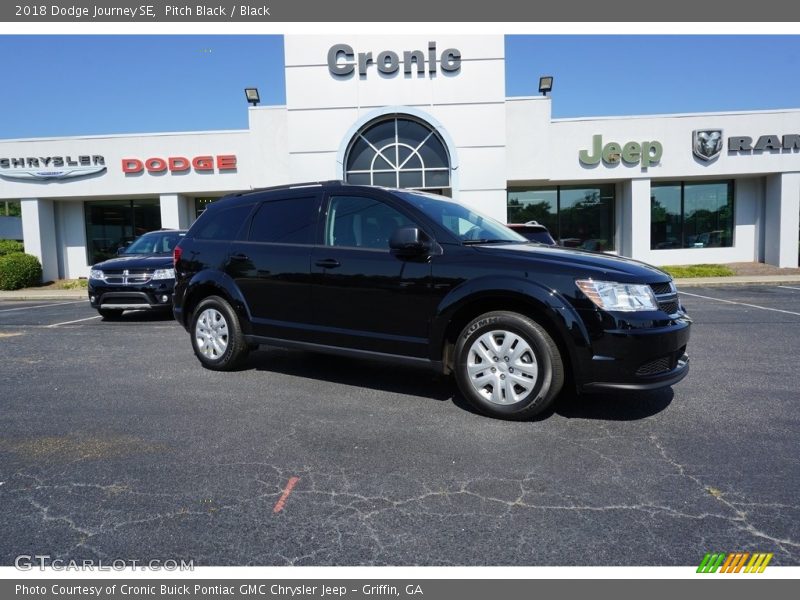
(741, 517)
(44, 511)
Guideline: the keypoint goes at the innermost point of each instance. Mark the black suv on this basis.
(141, 277)
(420, 279)
(533, 231)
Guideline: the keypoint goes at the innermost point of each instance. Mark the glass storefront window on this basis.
(586, 217)
(666, 226)
(577, 216)
(691, 215)
(112, 224)
(200, 205)
(10, 208)
(534, 205)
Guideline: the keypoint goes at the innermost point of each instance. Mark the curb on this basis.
(737, 280)
(23, 295)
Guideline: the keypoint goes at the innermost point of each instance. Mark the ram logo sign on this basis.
(707, 143)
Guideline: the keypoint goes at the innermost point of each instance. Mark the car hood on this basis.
(580, 262)
(136, 261)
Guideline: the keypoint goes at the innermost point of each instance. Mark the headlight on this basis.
(625, 297)
(164, 274)
(96, 274)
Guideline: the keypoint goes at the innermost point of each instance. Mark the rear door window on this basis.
(285, 221)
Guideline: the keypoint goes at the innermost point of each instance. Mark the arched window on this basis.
(399, 152)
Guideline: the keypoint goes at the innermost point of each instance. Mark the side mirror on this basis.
(410, 242)
(121, 250)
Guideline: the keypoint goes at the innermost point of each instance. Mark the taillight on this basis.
(176, 256)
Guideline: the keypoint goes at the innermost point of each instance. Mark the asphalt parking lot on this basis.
(116, 444)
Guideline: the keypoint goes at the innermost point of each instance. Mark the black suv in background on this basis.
(533, 231)
(420, 279)
(141, 277)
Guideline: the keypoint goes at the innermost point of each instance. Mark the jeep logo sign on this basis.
(342, 61)
(645, 153)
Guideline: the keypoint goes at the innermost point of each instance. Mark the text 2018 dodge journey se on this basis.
(420, 279)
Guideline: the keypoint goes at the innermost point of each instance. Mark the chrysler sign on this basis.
(51, 168)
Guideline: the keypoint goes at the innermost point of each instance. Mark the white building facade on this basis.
(430, 112)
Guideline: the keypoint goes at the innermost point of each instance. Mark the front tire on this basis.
(507, 366)
(217, 337)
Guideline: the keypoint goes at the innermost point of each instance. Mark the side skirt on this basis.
(411, 361)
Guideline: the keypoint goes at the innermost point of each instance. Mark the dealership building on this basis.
(430, 112)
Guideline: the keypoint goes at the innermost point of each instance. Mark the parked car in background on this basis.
(142, 277)
(419, 279)
(533, 231)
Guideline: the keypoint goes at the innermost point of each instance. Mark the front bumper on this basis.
(638, 358)
(156, 294)
(652, 382)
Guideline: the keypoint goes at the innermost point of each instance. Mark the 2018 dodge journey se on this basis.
(416, 278)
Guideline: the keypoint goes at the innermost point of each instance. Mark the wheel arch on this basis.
(549, 309)
(212, 283)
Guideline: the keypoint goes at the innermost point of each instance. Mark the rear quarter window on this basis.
(222, 224)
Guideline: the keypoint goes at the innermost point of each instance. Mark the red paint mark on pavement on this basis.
(285, 495)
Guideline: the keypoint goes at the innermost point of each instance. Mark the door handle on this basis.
(328, 263)
(239, 256)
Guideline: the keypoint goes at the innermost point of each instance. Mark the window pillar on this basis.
(39, 234)
(174, 211)
(635, 234)
(781, 219)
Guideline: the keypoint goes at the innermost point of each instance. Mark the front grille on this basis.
(661, 288)
(669, 307)
(125, 300)
(666, 296)
(126, 277)
(654, 367)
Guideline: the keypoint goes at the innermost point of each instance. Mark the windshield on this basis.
(155, 243)
(466, 224)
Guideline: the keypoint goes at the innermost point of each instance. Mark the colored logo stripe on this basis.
(711, 563)
(758, 563)
(733, 562)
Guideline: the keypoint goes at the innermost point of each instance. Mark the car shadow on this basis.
(614, 406)
(400, 379)
(385, 377)
(142, 316)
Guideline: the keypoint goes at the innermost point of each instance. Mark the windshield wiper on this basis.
(489, 241)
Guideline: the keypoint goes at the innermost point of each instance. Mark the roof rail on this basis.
(294, 186)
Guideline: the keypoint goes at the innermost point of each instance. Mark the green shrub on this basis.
(685, 271)
(72, 284)
(10, 247)
(19, 270)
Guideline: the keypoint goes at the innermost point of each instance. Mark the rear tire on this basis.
(110, 314)
(217, 338)
(507, 366)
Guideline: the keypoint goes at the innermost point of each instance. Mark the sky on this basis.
(86, 85)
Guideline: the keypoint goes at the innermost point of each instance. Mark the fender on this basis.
(224, 286)
(558, 310)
